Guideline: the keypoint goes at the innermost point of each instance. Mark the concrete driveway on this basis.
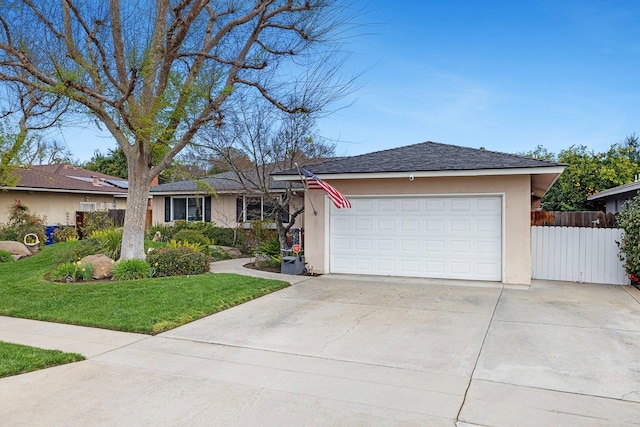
(353, 351)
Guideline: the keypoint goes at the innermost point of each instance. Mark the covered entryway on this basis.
(452, 237)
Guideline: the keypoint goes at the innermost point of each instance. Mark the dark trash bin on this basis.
(292, 265)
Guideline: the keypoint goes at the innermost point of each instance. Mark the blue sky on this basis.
(504, 75)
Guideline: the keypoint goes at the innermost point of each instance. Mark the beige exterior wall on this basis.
(223, 209)
(516, 218)
(59, 208)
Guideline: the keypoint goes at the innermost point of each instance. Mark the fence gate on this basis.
(577, 254)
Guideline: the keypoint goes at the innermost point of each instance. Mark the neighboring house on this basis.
(58, 191)
(221, 199)
(426, 210)
(616, 197)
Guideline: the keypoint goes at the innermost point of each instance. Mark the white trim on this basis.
(431, 174)
(59, 190)
(186, 198)
(503, 218)
(327, 234)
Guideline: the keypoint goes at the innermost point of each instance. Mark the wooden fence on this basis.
(591, 219)
(577, 254)
(116, 215)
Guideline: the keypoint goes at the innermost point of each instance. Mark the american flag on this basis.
(315, 183)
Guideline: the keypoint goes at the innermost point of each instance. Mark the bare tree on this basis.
(155, 73)
(25, 112)
(257, 141)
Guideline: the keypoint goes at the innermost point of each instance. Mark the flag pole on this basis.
(306, 188)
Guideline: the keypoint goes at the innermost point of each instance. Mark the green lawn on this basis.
(18, 359)
(146, 306)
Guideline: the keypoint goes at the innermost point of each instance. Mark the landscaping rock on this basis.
(16, 249)
(102, 265)
(234, 252)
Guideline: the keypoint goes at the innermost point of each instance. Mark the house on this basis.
(57, 191)
(616, 197)
(426, 210)
(220, 198)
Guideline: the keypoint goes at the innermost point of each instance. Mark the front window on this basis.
(187, 208)
(88, 206)
(252, 208)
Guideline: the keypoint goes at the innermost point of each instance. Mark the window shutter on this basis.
(207, 209)
(167, 209)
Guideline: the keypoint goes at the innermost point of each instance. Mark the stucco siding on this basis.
(516, 191)
(59, 208)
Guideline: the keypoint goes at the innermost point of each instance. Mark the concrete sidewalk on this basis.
(335, 350)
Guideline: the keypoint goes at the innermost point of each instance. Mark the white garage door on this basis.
(438, 237)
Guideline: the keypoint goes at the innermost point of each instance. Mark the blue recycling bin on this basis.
(48, 231)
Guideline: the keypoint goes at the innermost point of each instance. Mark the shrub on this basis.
(72, 271)
(270, 247)
(96, 221)
(110, 241)
(166, 231)
(218, 254)
(196, 247)
(23, 222)
(180, 261)
(226, 236)
(65, 234)
(5, 256)
(131, 269)
(191, 236)
(79, 250)
(629, 221)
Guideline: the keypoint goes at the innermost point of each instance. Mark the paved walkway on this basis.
(336, 350)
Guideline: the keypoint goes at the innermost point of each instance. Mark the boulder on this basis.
(234, 252)
(16, 249)
(102, 265)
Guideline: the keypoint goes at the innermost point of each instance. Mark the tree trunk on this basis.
(282, 233)
(136, 214)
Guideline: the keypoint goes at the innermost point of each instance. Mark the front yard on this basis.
(148, 306)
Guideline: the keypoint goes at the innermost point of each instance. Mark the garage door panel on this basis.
(440, 237)
(460, 205)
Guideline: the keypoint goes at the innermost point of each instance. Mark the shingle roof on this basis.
(67, 177)
(426, 156)
(222, 182)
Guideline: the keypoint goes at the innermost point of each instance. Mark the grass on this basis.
(18, 359)
(146, 306)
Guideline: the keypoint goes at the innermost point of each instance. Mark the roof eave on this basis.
(615, 192)
(63, 190)
(431, 174)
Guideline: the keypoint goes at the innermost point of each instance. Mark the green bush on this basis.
(218, 254)
(21, 223)
(5, 256)
(270, 247)
(96, 221)
(72, 271)
(180, 261)
(131, 269)
(166, 232)
(226, 236)
(110, 241)
(196, 247)
(191, 236)
(65, 234)
(629, 221)
(78, 250)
